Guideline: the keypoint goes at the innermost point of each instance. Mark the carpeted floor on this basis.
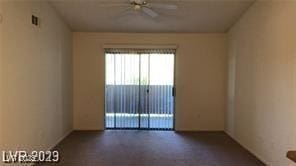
(152, 148)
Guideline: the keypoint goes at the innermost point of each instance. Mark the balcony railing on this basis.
(131, 106)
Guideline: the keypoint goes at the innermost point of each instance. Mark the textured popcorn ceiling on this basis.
(192, 16)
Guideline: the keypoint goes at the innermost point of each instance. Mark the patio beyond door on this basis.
(139, 89)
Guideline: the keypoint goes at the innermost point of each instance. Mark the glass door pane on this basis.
(122, 90)
(161, 99)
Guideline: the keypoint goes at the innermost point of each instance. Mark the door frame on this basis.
(174, 99)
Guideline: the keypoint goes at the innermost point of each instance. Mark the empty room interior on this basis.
(148, 82)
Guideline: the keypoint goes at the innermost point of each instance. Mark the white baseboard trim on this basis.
(197, 130)
(59, 140)
(249, 150)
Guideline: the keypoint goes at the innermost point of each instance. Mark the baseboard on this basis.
(89, 130)
(257, 156)
(59, 140)
(196, 130)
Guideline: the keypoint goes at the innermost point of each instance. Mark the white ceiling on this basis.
(202, 16)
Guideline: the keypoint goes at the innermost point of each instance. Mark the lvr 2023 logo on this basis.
(22, 156)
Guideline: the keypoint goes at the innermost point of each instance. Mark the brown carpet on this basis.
(152, 148)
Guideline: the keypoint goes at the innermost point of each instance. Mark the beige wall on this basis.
(200, 77)
(36, 77)
(262, 81)
(1, 94)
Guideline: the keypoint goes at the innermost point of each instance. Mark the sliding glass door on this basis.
(139, 89)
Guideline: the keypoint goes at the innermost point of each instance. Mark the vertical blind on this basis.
(139, 88)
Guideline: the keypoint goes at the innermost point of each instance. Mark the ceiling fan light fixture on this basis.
(137, 7)
(138, 1)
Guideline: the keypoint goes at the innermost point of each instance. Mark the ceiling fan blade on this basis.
(126, 12)
(149, 12)
(113, 5)
(137, 1)
(163, 6)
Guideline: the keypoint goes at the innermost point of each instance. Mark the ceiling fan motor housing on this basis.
(139, 2)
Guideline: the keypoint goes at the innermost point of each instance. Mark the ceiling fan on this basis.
(147, 8)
